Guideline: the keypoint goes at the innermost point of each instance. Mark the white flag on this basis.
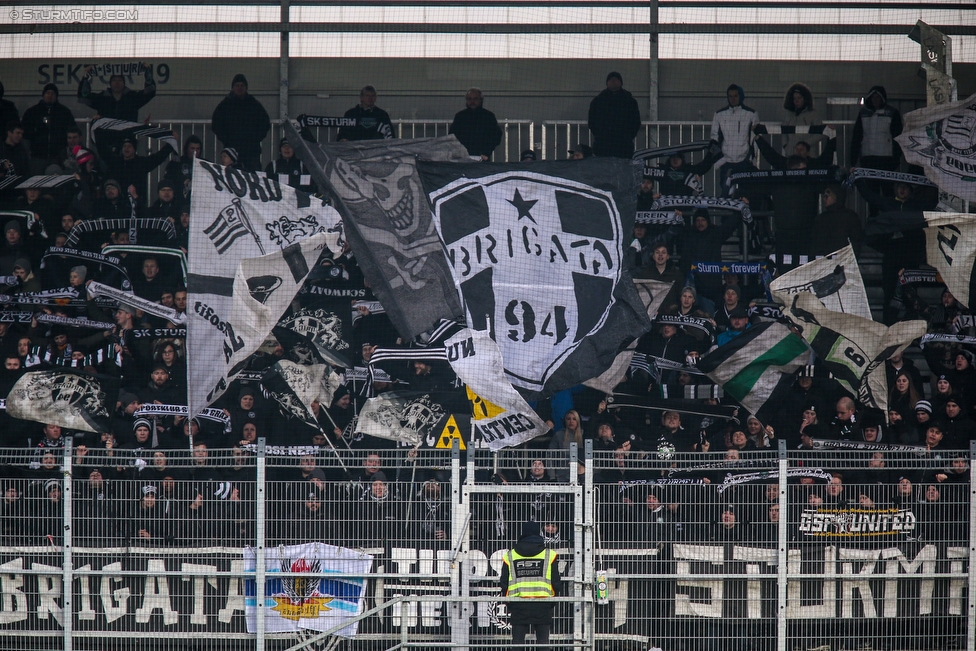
(942, 139)
(852, 348)
(508, 420)
(950, 247)
(252, 244)
(834, 279)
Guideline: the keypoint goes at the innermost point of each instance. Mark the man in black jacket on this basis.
(240, 122)
(46, 127)
(131, 169)
(372, 122)
(118, 102)
(614, 120)
(476, 127)
(703, 243)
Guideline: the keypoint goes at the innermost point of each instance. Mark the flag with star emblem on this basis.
(537, 257)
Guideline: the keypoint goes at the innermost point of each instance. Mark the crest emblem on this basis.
(503, 232)
(300, 597)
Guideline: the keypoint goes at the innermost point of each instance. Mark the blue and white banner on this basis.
(728, 267)
(298, 592)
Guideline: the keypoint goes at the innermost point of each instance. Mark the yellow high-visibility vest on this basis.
(530, 577)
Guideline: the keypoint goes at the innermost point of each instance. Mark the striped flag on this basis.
(752, 366)
(231, 224)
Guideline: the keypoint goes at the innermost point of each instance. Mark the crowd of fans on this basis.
(154, 480)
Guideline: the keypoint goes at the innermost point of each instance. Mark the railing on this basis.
(695, 551)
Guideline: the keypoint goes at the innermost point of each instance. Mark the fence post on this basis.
(260, 560)
(67, 569)
(971, 610)
(584, 612)
(781, 549)
(460, 620)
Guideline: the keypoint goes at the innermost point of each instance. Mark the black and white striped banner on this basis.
(75, 322)
(672, 201)
(135, 129)
(859, 173)
(163, 312)
(45, 181)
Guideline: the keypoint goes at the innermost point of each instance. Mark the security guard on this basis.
(529, 572)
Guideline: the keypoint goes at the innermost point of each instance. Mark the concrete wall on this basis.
(535, 89)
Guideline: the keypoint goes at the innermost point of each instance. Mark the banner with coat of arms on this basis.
(309, 586)
(942, 139)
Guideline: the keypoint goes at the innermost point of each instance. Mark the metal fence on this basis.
(764, 551)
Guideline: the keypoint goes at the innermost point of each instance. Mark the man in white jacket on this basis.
(732, 134)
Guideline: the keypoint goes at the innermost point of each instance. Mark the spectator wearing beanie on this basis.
(130, 169)
(46, 127)
(240, 122)
(289, 170)
(13, 247)
(24, 272)
(837, 224)
(166, 205)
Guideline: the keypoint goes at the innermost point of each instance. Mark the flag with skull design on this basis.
(377, 189)
(537, 255)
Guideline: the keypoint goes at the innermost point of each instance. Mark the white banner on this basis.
(950, 247)
(508, 420)
(942, 139)
(331, 594)
(834, 279)
(126, 298)
(852, 348)
(252, 244)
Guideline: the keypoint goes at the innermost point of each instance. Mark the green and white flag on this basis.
(852, 348)
(752, 366)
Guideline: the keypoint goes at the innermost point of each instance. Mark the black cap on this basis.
(617, 75)
(239, 78)
(739, 313)
(531, 528)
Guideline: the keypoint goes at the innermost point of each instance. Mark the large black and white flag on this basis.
(409, 418)
(942, 139)
(294, 387)
(835, 279)
(127, 129)
(320, 331)
(68, 398)
(758, 365)
(950, 247)
(239, 286)
(378, 191)
(477, 360)
(537, 256)
(852, 348)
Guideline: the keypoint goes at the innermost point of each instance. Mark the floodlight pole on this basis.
(283, 60)
(936, 55)
(652, 72)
